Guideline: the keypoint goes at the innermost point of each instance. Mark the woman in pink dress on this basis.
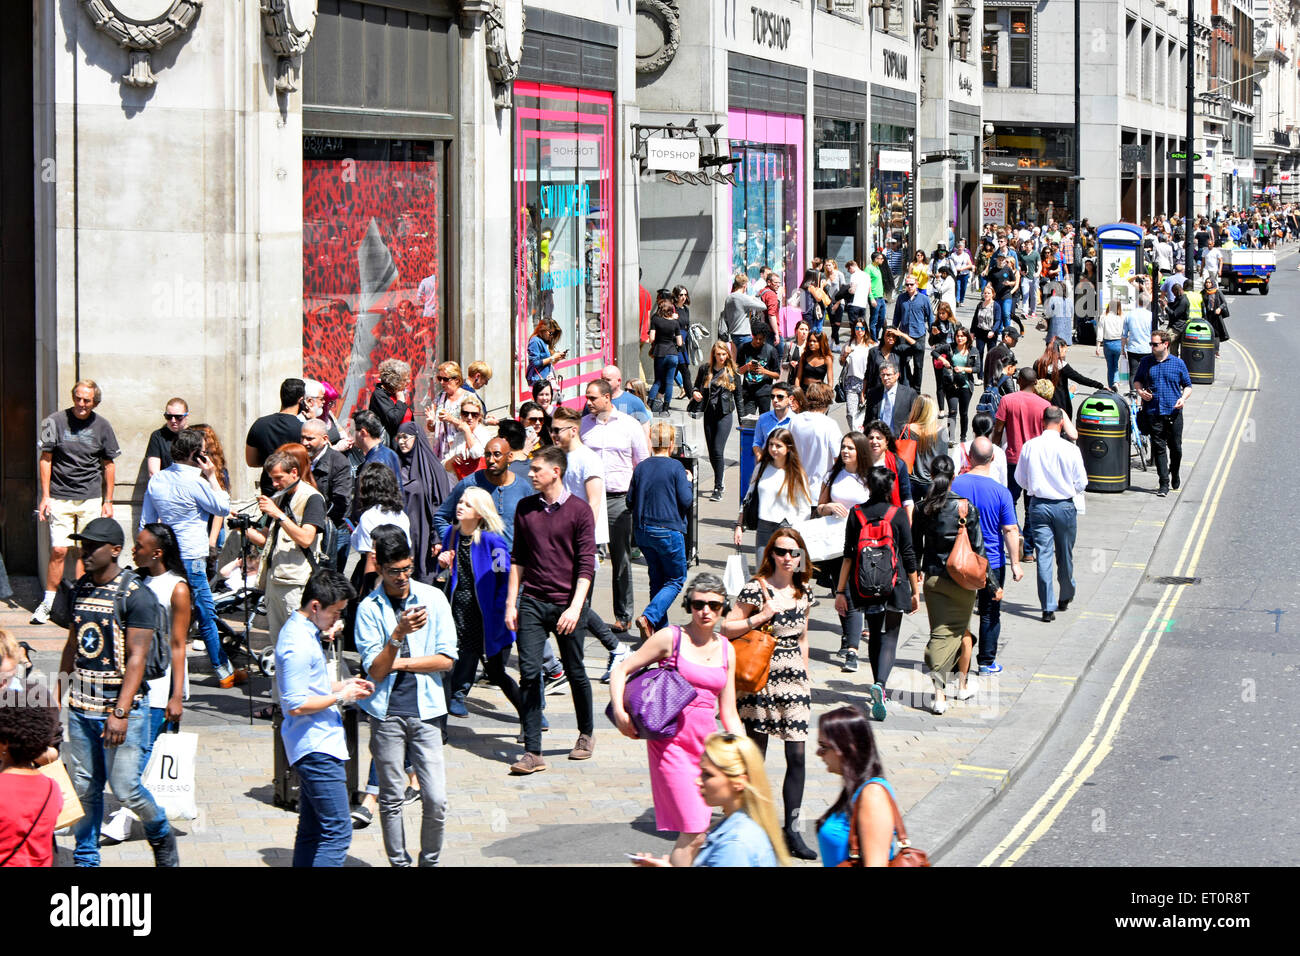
(707, 661)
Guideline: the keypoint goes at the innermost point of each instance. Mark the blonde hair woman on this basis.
(476, 589)
(931, 441)
(715, 394)
(465, 454)
(732, 778)
(443, 409)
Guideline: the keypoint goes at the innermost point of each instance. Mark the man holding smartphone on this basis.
(759, 366)
(407, 640)
(185, 495)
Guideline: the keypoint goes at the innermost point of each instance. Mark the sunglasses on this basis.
(531, 420)
(176, 418)
(402, 572)
(446, 378)
(714, 606)
(787, 552)
(470, 414)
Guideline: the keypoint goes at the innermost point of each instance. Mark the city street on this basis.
(1179, 747)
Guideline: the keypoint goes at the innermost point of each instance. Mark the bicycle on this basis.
(1141, 443)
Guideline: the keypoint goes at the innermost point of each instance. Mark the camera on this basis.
(238, 522)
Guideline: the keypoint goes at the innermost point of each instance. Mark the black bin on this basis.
(1103, 423)
(284, 785)
(1196, 349)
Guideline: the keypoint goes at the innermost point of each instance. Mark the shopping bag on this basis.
(170, 775)
(72, 811)
(736, 574)
(824, 537)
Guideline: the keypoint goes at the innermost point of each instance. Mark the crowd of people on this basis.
(429, 537)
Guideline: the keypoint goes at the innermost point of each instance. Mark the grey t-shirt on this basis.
(78, 448)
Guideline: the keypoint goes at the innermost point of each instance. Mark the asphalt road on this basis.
(1204, 765)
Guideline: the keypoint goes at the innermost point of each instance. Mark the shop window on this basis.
(837, 146)
(564, 227)
(373, 243)
(1016, 24)
(848, 9)
(765, 209)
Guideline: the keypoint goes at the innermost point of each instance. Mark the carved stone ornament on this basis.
(658, 34)
(140, 27)
(503, 37)
(288, 26)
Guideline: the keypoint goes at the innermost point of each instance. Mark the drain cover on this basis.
(1168, 579)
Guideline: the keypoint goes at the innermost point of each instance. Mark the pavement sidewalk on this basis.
(946, 769)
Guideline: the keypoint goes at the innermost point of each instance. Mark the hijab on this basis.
(425, 486)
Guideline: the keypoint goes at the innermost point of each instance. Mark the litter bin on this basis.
(1103, 424)
(1197, 352)
(747, 428)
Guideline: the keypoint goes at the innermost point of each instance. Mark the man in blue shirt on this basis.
(312, 731)
(777, 417)
(407, 639)
(997, 519)
(495, 477)
(1164, 385)
(370, 439)
(185, 495)
(623, 400)
(913, 315)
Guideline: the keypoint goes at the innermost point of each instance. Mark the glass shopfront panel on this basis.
(891, 188)
(373, 244)
(564, 227)
(837, 148)
(766, 221)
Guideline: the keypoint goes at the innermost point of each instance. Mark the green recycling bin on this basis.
(1197, 350)
(1103, 423)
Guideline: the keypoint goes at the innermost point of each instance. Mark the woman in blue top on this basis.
(847, 747)
(732, 778)
(541, 360)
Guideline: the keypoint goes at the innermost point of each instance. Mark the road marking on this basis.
(1154, 524)
(1102, 614)
(1098, 743)
(992, 770)
(1056, 677)
(1271, 316)
(1125, 564)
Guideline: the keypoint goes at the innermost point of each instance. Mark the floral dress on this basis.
(783, 708)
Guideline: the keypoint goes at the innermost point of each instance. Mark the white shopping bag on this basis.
(170, 775)
(824, 537)
(736, 575)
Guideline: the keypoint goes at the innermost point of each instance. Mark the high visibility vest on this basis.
(1194, 302)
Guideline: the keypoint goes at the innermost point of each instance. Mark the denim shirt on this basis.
(737, 841)
(376, 621)
(301, 673)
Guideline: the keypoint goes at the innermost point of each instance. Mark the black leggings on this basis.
(958, 402)
(716, 433)
(882, 639)
(792, 789)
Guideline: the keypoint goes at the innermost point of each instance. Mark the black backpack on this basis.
(991, 398)
(876, 574)
(160, 651)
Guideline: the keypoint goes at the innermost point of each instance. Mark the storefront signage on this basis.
(680, 155)
(995, 209)
(894, 161)
(566, 200)
(832, 159)
(770, 29)
(891, 62)
(964, 83)
(574, 153)
(894, 65)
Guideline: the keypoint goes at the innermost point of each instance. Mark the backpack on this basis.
(991, 398)
(160, 652)
(876, 573)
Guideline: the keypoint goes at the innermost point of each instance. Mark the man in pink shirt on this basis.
(1019, 418)
(620, 442)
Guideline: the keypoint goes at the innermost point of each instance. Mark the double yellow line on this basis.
(1098, 744)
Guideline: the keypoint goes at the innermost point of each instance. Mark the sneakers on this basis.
(361, 817)
(42, 614)
(614, 658)
(528, 763)
(234, 678)
(164, 850)
(1162, 491)
(876, 693)
(456, 707)
(582, 750)
(987, 670)
(410, 797)
(938, 705)
(970, 690)
(850, 664)
(553, 683)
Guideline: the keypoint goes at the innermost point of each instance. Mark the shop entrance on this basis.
(839, 235)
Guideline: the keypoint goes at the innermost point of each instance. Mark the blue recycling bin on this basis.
(746, 459)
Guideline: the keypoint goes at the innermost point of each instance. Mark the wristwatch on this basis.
(119, 713)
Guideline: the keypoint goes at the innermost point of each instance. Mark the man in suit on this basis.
(890, 401)
(333, 476)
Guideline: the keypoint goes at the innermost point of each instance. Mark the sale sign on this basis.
(995, 209)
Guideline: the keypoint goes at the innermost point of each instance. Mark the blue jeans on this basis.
(856, 314)
(665, 369)
(157, 724)
(1026, 536)
(91, 764)
(1055, 525)
(1006, 308)
(990, 612)
(963, 280)
(1113, 349)
(196, 573)
(741, 340)
(324, 817)
(878, 318)
(664, 551)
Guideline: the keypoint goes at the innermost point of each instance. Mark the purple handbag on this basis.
(655, 697)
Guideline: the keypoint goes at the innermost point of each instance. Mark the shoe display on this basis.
(164, 850)
(850, 664)
(361, 817)
(583, 749)
(234, 678)
(528, 763)
(42, 614)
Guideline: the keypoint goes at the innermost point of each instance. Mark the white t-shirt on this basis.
(997, 471)
(773, 505)
(849, 490)
(856, 366)
(160, 689)
(962, 262)
(583, 465)
(817, 437)
(371, 519)
(860, 285)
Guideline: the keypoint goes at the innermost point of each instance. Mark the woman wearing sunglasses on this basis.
(442, 411)
(732, 778)
(537, 427)
(706, 660)
(848, 748)
(465, 453)
(778, 599)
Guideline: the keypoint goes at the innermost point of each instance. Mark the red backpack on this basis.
(876, 572)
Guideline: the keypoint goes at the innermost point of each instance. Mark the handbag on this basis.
(904, 855)
(753, 651)
(967, 568)
(655, 697)
(906, 448)
(749, 509)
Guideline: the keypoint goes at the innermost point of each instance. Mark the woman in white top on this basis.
(845, 489)
(781, 486)
(943, 287)
(1110, 338)
(981, 426)
(380, 503)
(855, 357)
(442, 411)
(465, 452)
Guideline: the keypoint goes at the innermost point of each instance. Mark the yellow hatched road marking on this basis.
(968, 766)
(1056, 677)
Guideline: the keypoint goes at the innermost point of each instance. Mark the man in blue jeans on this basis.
(108, 714)
(184, 496)
(660, 500)
(313, 726)
(997, 522)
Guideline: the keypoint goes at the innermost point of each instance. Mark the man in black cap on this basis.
(114, 620)
(1000, 354)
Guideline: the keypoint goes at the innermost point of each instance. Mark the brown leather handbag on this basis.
(904, 854)
(967, 568)
(753, 651)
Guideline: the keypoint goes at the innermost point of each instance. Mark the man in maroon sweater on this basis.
(552, 565)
